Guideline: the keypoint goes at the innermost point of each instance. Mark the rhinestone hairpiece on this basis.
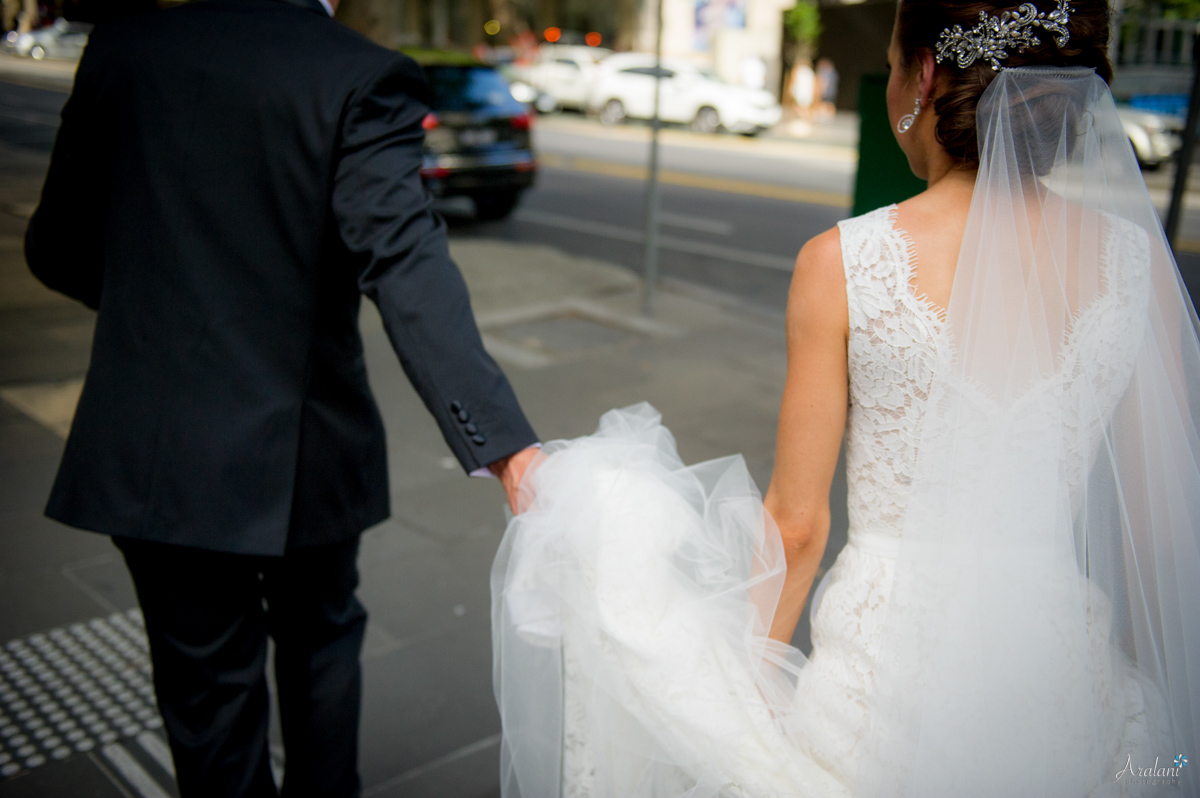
(994, 36)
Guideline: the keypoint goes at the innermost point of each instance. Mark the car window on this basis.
(566, 62)
(473, 88)
(649, 71)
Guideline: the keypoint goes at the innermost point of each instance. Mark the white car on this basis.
(63, 39)
(624, 88)
(1155, 137)
(565, 73)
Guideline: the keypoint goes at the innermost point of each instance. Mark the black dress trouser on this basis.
(208, 615)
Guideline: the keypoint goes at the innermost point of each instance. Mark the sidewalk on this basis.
(49, 73)
(841, 130)
(76, 716)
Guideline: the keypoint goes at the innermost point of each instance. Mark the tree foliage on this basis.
(1170, 9)
(803, 23)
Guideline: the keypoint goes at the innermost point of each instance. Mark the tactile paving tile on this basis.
(72, 689)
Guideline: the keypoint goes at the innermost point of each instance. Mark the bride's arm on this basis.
(811, 420)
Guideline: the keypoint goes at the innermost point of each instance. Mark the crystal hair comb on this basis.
(994, 36)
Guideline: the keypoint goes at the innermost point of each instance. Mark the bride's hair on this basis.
(919, 23)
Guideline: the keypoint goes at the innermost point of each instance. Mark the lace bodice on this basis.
(897, 342)
(893, 352)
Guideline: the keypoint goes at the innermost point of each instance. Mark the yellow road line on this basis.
(675, 137)
(708, 182)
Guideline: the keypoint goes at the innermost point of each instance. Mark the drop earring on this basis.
(907, 120)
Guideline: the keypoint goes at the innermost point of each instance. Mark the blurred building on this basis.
(460, 23)
(737, 39)
(741, 40)
(733, 37)
(1153, 55)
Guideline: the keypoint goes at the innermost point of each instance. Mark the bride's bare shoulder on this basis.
(825, 248)
(818, 291)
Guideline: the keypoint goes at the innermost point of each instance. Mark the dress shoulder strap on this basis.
(863, 245)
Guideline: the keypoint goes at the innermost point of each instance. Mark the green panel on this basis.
(883, 174)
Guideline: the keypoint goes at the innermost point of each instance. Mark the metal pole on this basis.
(650, 258)
(1183, 163)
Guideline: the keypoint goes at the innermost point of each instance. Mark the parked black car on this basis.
(477, 137)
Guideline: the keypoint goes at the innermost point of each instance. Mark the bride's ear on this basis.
(927, 77)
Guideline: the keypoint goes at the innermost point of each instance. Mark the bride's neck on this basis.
(950, 179)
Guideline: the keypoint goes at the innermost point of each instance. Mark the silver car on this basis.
(63, 39)
(1155, 137)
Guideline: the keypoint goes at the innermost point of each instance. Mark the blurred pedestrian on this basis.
(827, 88)
(228, 179)
(803, 88)
(754, 72)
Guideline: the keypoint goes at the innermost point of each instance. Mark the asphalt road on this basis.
(734, 211)
(826, 164)
(721, 235)
(741, 245)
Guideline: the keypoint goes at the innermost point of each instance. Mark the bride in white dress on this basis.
(1017, 375)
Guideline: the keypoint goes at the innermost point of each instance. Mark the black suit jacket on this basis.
(229, 177)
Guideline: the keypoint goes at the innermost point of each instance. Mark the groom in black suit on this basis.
(229, 177)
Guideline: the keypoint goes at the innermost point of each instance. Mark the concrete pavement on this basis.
(818, 171)
(49, 73)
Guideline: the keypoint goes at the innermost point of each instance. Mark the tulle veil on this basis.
(1044, 617)
(1043, 621)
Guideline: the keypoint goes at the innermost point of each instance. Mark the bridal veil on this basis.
(1043, 626)
(1044, 614)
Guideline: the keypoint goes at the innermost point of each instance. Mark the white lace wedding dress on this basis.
(633, 598)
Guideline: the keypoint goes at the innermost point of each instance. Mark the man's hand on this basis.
(510, 470)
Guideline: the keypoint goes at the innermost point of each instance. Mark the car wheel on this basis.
(498, 205)
(613, 113)
(707, 120)
(37, 52)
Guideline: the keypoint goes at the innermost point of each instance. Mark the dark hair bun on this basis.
(919, 24)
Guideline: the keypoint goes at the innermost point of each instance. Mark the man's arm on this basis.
(64, 240)
(402, 254)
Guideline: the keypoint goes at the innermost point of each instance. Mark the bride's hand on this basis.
(510, 470)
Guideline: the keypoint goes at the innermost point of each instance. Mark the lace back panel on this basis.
(892, 355)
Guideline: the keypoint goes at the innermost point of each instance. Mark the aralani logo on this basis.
(1154, 774)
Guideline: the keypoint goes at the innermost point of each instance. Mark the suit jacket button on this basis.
(455, 407)
(479, 440)
(464, 416)
(471, 429)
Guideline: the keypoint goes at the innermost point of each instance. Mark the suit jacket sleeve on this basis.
(401, 250)
(64, 241)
